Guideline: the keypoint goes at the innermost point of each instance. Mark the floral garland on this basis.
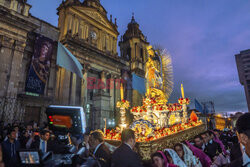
(123, 104)
(148, 101)
(174, 107)
(158, 107)
(156, 134)
(184, 101)
(138, 109)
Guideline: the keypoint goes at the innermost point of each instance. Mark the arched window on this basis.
(128, 54)
(114, 45)
(142, 56)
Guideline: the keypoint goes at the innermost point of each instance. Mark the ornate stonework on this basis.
(86, 31)
(95, 16)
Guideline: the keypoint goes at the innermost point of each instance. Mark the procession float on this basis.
(157, 123)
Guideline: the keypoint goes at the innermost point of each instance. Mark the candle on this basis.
(121, 89)
(182, 91)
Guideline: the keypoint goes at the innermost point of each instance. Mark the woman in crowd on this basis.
(204, 159)
(173, 158)
(217, 140)
(187, 155)
(223, 158)
(160, 160)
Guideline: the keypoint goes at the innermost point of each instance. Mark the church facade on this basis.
(92, 38)
(86, 31)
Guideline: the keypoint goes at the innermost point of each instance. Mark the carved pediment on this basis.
(96, 16)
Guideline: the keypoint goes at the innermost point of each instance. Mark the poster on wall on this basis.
(40, 65)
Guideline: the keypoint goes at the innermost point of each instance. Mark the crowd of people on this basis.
(212, 148)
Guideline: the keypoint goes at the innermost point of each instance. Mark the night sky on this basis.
(202, 37)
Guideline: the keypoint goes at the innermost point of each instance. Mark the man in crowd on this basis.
(124, 156)
(212, 149)
(235, 152)
(198, 142)
(42, 143)
(100, 150)
(10, 148)
(243, 130)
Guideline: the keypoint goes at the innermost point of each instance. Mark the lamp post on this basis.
(123, 105)
(184, 102)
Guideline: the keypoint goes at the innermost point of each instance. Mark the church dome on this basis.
(133, 31)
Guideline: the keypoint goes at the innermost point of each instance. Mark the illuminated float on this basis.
(157, 124)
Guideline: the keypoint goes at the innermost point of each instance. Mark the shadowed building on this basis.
(243, 66)
(17, 37)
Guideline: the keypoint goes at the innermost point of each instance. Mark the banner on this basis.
(67, 60)
(40, 65)
(198, 106)
(138, 83)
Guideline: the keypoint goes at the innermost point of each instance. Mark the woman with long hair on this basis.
(204, 159)
(173, 158)
(187, 155)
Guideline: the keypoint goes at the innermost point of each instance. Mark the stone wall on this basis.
(17, 29)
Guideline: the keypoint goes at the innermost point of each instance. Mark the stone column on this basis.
(104, 80)
(112, 94)
(117, 98)
(84, 89)
(72, 95)
(114, 46)
(65, 86)
(11, 60)
(84, 85)
(117, 81)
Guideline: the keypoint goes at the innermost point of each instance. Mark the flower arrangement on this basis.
(156, 133)
(174, 107)
(158, 107)
(149, 101)
(184, 101)
(123, 104)
(139, 109)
